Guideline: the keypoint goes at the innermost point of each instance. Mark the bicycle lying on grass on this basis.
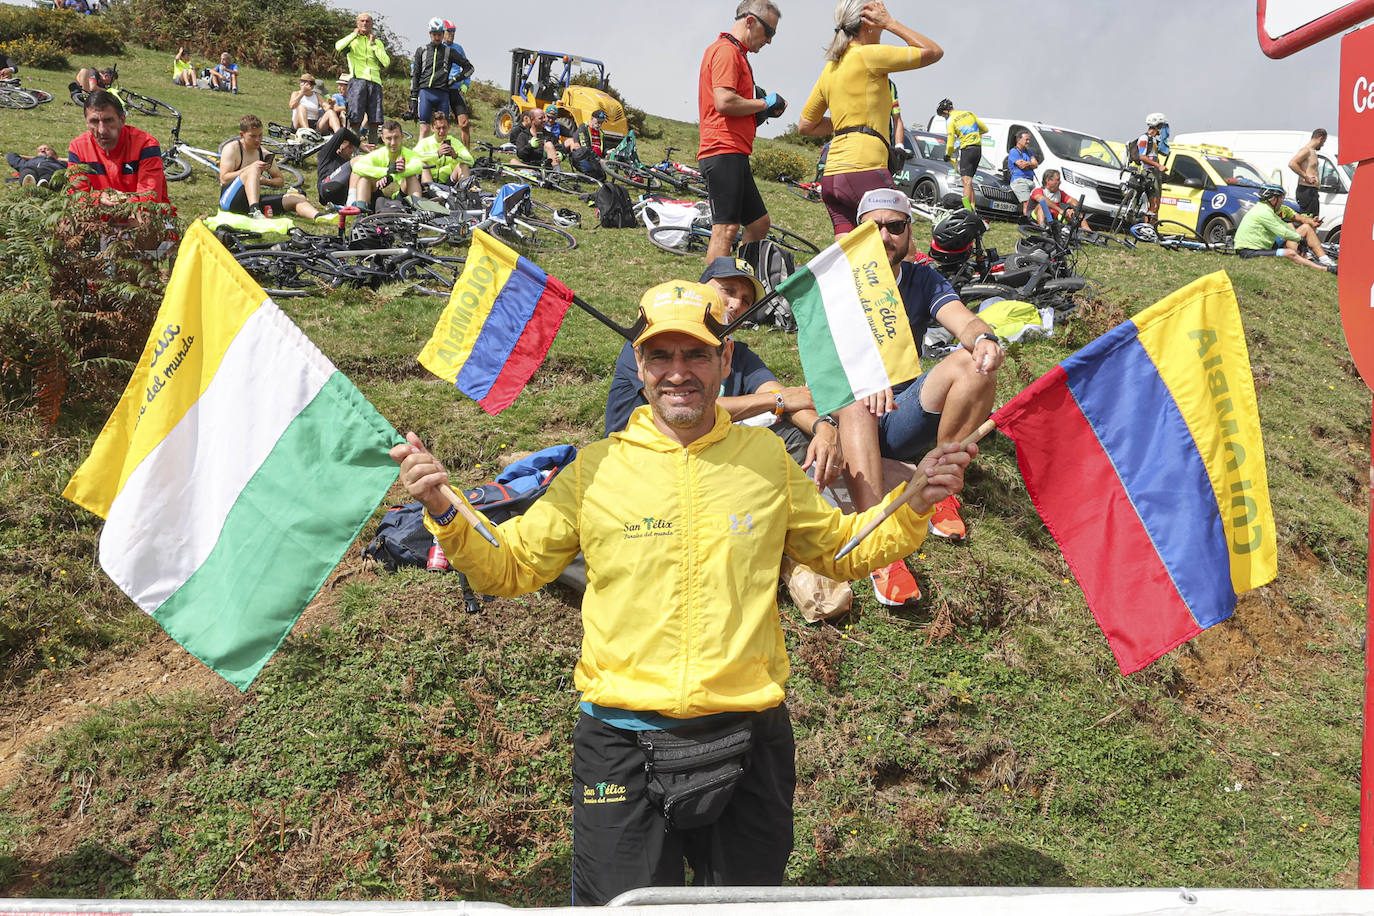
(306, 264)
(695, 238)
(806, 190)
(13, 95)
(490, 167)
(1176, 236)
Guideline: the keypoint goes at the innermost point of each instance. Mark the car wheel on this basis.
(925, 192)
(1217, 230)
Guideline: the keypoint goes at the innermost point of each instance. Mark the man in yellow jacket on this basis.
(684, 746)
(367, 58)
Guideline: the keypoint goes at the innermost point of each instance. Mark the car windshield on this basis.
(1235, 171)
(1072, 146)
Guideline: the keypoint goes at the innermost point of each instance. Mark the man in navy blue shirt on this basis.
(751, 393)
(946, 403)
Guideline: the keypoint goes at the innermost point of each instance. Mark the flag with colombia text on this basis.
(1142, 453)
(500, 321)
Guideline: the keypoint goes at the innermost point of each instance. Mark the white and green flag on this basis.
(237, 468)
(852, 329)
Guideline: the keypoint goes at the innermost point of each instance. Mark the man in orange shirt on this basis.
(120, 162)
(729, 114)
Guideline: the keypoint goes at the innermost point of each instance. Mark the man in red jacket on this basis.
(121, 162)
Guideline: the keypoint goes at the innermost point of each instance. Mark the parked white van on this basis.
(1270, 151)
(1088, 168)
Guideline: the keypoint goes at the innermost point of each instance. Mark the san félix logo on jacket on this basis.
(648, 528)
(603, 793)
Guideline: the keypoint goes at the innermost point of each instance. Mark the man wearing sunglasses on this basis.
(729, 115)
(944, 404)
(684, 518)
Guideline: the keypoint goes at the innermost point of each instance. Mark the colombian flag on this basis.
(237, 468)
(498, 326)
(1142, 454)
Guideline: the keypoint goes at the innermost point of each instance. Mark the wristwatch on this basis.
(826, 419)
(986, 335)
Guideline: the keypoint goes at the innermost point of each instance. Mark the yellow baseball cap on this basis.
(680, 305)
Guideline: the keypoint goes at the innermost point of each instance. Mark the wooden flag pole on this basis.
(914, 486)
(466, 512)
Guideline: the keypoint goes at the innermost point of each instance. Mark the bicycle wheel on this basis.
(175, 168)
(285, 274)
(571, 182)
(395, 230)
(39, 94)
(1169, 228)
(1125, 214)
(797, 190)
(294, 179)
(144, 105)
(630, 177)
(680, 240)
(790, 240)
(433, 275)
(532, 235)
(17, 98)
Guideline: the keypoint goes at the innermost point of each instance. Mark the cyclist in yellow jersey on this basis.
(963, 143)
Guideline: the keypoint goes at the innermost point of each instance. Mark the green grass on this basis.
(398, 747)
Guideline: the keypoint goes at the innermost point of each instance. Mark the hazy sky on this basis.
(1095, 65)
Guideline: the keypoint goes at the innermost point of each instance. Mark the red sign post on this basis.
(1356, 283)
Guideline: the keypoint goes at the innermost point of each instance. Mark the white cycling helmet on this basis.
(436, 25)
(1157, 119)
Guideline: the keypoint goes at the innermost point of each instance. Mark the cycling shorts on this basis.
(457, 105)
(969, 157)
(432, 100)
(842, 193)
(735, 199)
(234, 198)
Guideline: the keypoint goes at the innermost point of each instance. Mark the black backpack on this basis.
(613, 208)
(772, 264)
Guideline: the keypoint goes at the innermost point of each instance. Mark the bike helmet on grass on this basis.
(954, 236)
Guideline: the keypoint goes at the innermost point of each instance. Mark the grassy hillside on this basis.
(398, 747)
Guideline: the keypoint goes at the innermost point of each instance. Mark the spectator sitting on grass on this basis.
(388, 171)
(89, 79)
(183, 74)
(446, 160)
(224, 76)
(334, 171)
(37, 169)
(8, 67)
(244, 170)
(1271, 228)
(117, 163)
(534, 145)
(308, 108)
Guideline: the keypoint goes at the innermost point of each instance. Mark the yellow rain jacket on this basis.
(683, 547)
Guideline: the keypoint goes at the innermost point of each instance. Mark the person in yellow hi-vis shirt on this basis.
(964, 139)
(367, 58)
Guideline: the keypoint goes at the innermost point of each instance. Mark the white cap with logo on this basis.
(883, 199)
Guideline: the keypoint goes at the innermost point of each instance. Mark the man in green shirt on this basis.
(367, 58)
(1267, 229)
(390, 170)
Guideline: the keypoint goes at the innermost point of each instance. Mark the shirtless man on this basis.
(1305, 164)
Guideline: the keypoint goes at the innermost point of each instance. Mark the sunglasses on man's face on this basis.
(768, 30)
(893, 226)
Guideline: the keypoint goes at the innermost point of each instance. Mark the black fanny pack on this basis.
(896, 158)
(692, 771)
